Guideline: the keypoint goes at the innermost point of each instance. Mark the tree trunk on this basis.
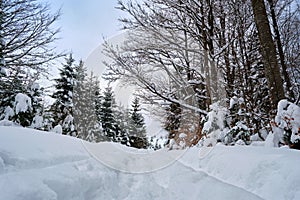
(280, 51)
(2, 63)
(268, 51)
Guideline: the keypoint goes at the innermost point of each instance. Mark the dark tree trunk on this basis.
(280, 51)
(268, 51)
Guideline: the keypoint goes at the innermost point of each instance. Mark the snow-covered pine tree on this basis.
(95, 132)
(21, 98)
(122, 118)
(79, 98)
(62, 108)
(107, 115)
(35, 93)
(98, 102)
(173, 120)
(85, 97)
(137, 129)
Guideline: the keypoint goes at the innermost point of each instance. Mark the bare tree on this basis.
(26, 46)
(27, 34)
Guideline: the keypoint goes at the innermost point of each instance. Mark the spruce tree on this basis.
(107, 115)
(85, 98)
(62, 108)
(21, 99)
(36, 92)
(122, 132)
(137, 129)
(173, 120)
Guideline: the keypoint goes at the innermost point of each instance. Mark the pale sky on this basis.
(84, 23)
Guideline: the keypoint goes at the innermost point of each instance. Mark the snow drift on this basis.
(40, 165)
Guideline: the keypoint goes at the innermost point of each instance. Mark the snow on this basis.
(233, 102)
(6, 122)
(37, 122)
(182, 135)
(8, 112)
(288, 117)
(35, 86)
(41, 165)
(22, 103)
(270, 173)
(57, 129)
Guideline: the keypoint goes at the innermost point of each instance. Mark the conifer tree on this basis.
(63, 106)
(36, 93)
(107, 115)
(21, 99)
(122, 132)
(137, 129)
(85, 98)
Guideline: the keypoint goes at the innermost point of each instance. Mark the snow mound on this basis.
(40, 165)
(271, 173)
(22, 103)
(288, 117)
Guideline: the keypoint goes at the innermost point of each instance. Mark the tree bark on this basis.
(2, 63)
(268, 51)
(280, 51)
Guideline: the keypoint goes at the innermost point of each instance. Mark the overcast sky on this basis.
(84, 23)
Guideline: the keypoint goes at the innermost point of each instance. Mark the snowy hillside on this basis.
(39, 165)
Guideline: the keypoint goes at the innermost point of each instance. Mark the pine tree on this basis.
(137, 129)
(85, 98)
(62, 108)
(107, 115)
(21, 99)
(36, 93)
(173, 120)
(122, 132)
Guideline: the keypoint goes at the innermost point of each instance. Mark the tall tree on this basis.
(122, 125)
(26, 38)
(2, 44)
(290, 93)
(108, 115)
(268, 51)
(84, 99)
(137, 129)
(27, 34)
(63, 106)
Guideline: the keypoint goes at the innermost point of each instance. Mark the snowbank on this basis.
(271, 173)
(40, 165)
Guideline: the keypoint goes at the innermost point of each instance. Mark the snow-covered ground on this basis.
(39, 165)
